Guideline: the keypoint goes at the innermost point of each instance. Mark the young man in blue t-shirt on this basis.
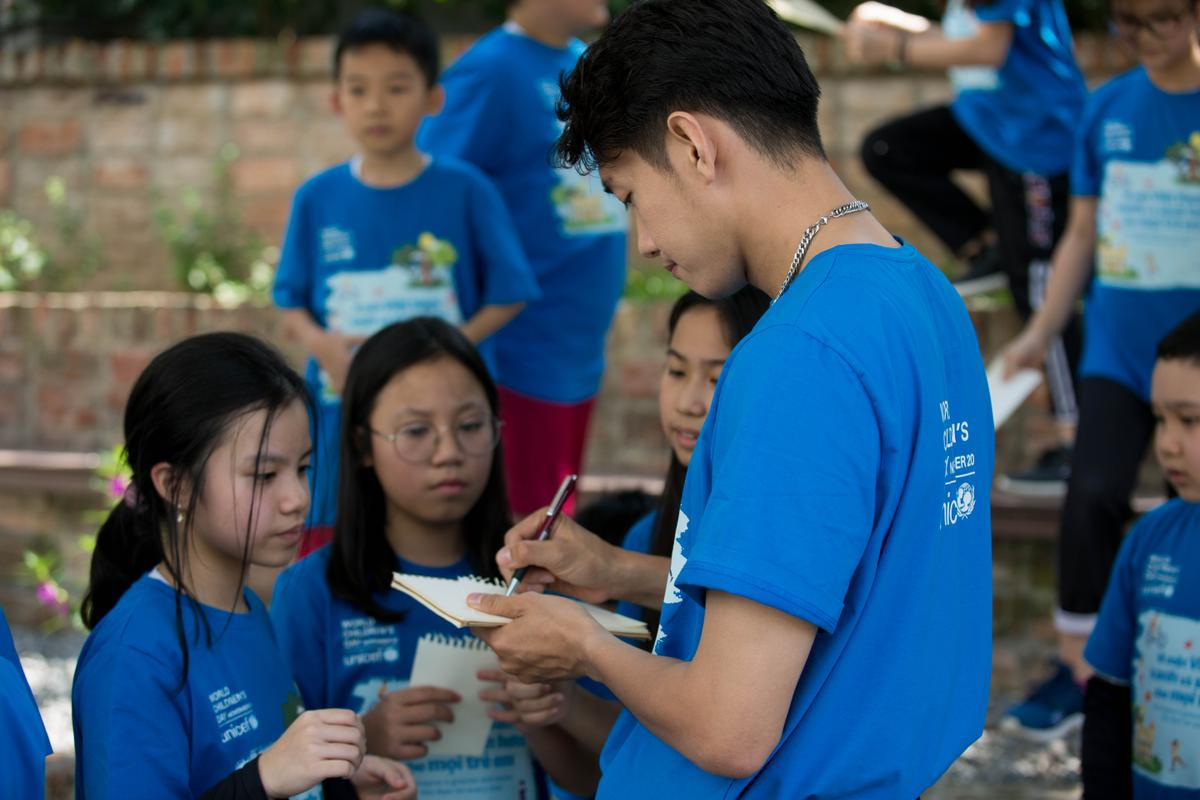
(499, 116)
(1141, 704)
(825, 627)
(1135, 208)
(391, 234)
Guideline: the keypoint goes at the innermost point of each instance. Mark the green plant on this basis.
(44, 568)
(27, 264)
(649, 284)
(212, 250)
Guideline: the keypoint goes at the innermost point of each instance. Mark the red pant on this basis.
(543, 442)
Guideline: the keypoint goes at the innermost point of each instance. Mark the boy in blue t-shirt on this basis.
(499, 116)
(825, 627)
(392, 234)
(1141, 704)
(1136, 208)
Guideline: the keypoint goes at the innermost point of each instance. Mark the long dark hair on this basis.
(738, 314)
(179, 411)
(361, 559)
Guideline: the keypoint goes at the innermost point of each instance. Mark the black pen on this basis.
(556, 507)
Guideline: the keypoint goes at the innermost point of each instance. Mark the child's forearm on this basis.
(1069, 271)
(1107, 748)
(488, 320)
(299, 324)
(932, 50)
(590, 720)
(568, 762)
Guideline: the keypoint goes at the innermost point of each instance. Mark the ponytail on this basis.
(128, 545)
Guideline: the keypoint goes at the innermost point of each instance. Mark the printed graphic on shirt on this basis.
(366, 641)
(504, 770)
(959, 464)
(1149, 220)
(960, 22)
(337, 244)
(1166, 690)
(672, 595)
(418, 283)
(582, 205)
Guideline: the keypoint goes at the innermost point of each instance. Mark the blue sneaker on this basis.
(1053, 710)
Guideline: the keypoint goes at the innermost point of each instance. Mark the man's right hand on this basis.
(572, 560)
(402, 722)
(334, 352)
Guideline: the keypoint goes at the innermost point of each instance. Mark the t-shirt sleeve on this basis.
(505, 274)
(476, 114)
(1110, 648)
(795, 454)
(294, 276)
(25, 745)
(298, 617)
(131, 736)
(1085, 164)
(1015, 11)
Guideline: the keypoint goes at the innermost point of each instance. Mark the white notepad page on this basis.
(452, 663)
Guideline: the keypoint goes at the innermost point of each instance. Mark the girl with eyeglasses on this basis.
(421, 491)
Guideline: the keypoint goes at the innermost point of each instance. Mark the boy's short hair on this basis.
(731, 59)
(1183, 342)
(403, 33)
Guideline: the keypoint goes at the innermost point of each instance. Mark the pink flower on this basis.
(50, 595)
(117, 486)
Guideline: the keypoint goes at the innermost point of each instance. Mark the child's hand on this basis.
(402, 722)
(334, 352)
(380, 778)
(328, 743)
(1027, 351)
(534, 705)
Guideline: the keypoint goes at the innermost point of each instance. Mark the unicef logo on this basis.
(253, 722)
(391, 654)
(965, 500)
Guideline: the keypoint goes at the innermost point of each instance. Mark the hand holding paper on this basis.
(1008, 393)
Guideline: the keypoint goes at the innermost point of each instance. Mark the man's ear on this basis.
(690, 140)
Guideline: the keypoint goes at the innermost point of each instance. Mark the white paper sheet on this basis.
(1008, 395)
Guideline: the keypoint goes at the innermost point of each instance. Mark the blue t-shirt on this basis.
(843, 476)
(1137, 153)
(1148, 638)
(637, 539)
(23, 756)
(359, 258)
(1025, 113)
(499, 116)
(343, 657)
(139, 735)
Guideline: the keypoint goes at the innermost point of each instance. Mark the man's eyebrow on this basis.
(607, 188)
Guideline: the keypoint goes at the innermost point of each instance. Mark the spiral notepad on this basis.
(453, 663)
(447, 598)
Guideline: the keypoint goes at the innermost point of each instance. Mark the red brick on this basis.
(265, 174)
(5, 181)
(12, 367)
(268, 214)
(125, 367)
(177, 60)
(316, 56)
(231, 58)
(120, 173)
(267, 136)
(640, 378)
(51, 137)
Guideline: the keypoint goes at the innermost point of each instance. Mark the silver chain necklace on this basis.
(850, 208)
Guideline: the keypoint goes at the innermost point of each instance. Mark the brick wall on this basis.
(130, 125)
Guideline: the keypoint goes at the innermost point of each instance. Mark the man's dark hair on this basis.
(403, 33)
(1183, 342)
(730, 59)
